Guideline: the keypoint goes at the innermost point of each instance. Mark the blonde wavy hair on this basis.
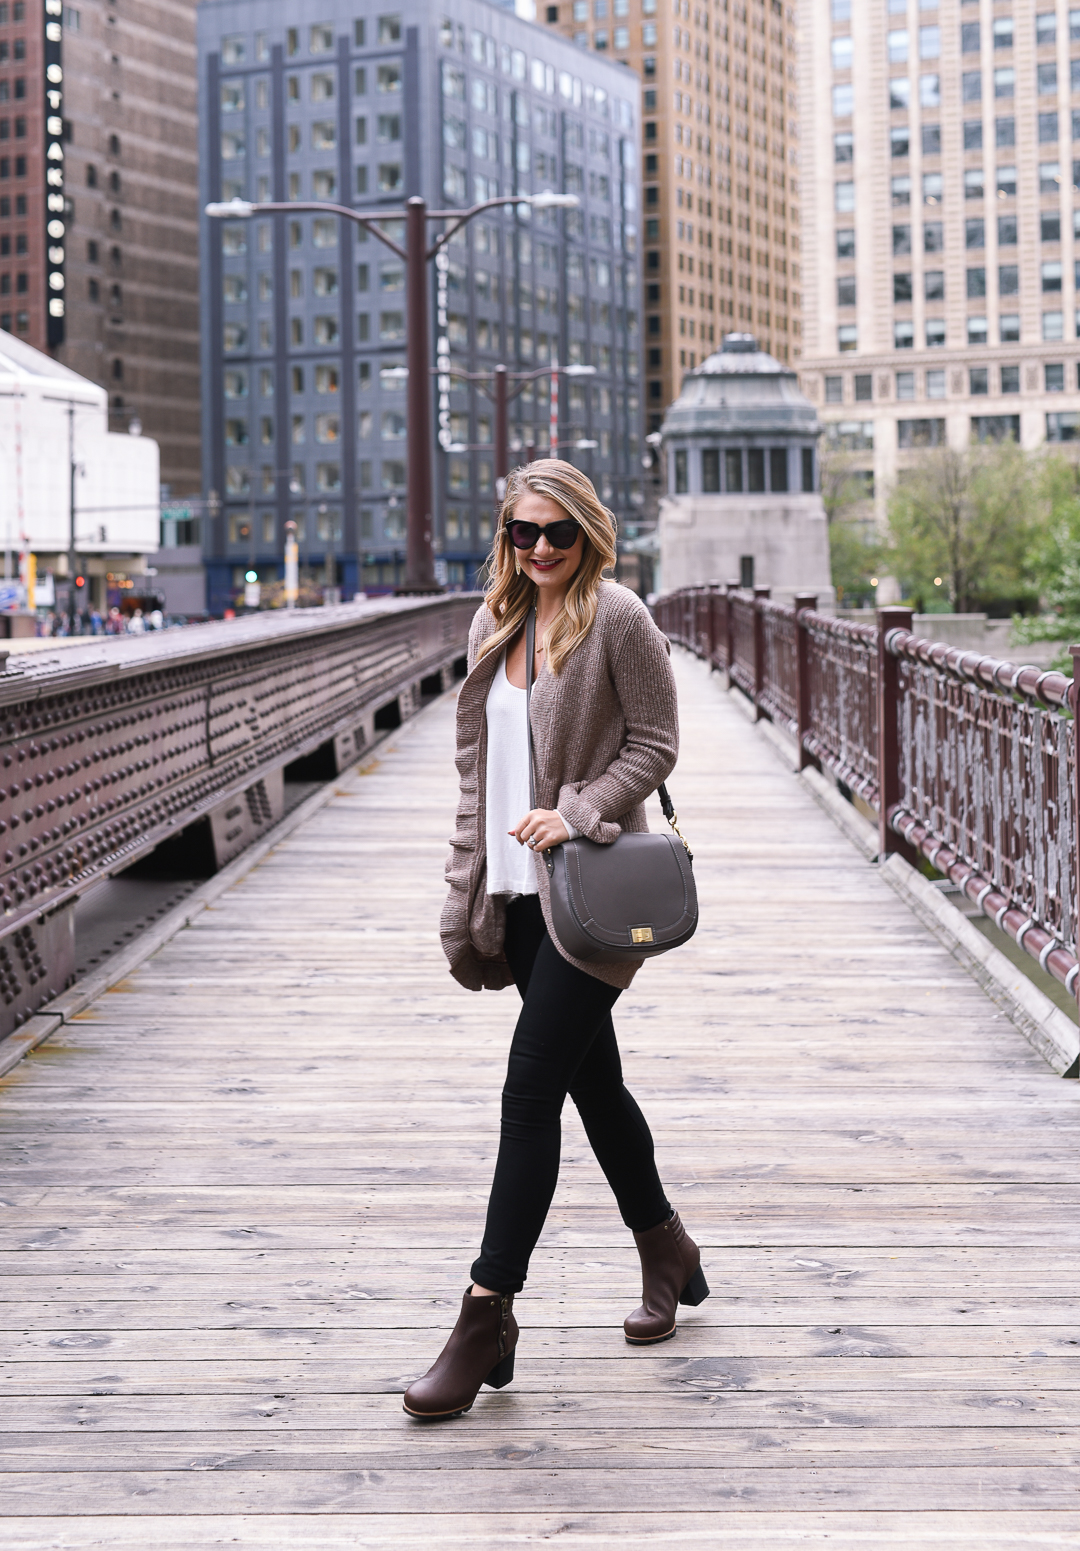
(510, 594)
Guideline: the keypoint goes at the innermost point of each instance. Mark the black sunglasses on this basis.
(560, 535)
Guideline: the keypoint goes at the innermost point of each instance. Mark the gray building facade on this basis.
(304, 316)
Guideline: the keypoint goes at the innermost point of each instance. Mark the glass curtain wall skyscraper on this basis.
(304, 316)
(941, 159)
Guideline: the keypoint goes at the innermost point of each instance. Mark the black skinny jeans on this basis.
(564, 1043)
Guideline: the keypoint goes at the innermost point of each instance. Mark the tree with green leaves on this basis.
(970, 518)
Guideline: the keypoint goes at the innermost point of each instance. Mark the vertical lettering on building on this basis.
(54, 171)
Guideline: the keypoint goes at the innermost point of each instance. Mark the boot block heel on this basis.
(696, 1289)
(502, 1373)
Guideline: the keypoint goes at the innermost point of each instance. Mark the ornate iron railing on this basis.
(966, 760)
(108, 748)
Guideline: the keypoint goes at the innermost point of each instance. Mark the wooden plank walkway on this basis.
(241, 1194)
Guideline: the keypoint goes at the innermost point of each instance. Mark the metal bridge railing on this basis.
(965, 760)
(109, 748)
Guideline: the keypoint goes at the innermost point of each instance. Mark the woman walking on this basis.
(605, 735)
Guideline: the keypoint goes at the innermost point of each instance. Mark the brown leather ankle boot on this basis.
(670, 1274)
(480, 1351)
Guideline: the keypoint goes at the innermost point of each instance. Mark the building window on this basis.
(920, 433)
(710, 470)
(778, 467)
(904, 336)
(1054, 377)
(1048, 128)
(901, 191)
(901, 287)
(834, 390)
(934, 285)
(847, 337)
(682, 476)
(976, 284)
(905, 386)
(845, 244)
(973, 183)
(933, 188)
(1009, 328)
(845, 291)
(933, 237)
(1063, 427)
(1053, 326)
(1004, 134)
(935, 333)
(976, 331)
(1010, 379)
(1050, 226)
(755, 470)
(901, 241)
(733, 470)
(1007, 231)
(975, 233)
(935, 385)
(863, 390)
(978, 381)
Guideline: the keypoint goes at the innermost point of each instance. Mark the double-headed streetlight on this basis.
(416, 254)
(496, 384)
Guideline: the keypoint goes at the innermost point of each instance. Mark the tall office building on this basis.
(721, 177)
(940, 233)
(98, 221)
(304, 316)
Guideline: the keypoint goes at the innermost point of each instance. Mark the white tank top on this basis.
(510, 866)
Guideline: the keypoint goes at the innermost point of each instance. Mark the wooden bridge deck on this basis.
(242, 1193)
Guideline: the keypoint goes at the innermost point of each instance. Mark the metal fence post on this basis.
(711, 592)
(730, 588)
(803, 601)
(1074, 702)
(760, 595)
(888, 729)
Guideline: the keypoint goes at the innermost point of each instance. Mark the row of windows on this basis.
(971, 88)
(600, 9)
(977, 331)
(390, 475)
(933, 234)
(390, 329)
(858, 436)
(18, 12)
(1047, 127)
(733, 470)
(14, 50)
(326, 429)
(974, 185)
(899, 41)
(980, 380)
(1050, 276)
(16, 89)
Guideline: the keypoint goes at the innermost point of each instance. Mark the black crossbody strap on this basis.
(530, 650)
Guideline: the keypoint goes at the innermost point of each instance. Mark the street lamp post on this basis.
(416, 254)
(501, 394)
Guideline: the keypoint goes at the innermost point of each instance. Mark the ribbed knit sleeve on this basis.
(640, 667)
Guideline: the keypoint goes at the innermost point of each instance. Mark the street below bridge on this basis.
(241, 1192)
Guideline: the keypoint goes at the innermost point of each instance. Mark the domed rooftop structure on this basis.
(742, 478)
(741, 391)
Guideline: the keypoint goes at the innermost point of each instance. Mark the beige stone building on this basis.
(720, 221)
(939, 229)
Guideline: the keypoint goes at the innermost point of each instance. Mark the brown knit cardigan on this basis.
(605, 734)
